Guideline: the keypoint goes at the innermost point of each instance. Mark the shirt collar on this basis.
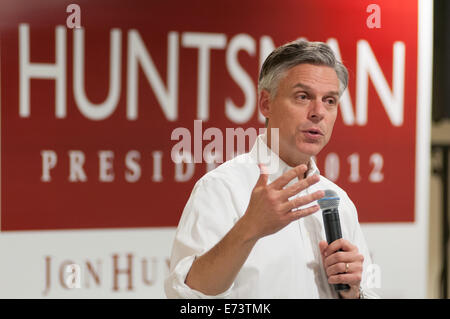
(261, 153)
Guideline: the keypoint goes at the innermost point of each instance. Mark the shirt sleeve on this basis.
(208, 215)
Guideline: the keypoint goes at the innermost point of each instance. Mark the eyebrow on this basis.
(306, 87)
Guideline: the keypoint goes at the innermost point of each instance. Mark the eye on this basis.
(302, 96)
(330, 101)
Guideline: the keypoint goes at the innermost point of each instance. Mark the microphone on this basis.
(330, 214)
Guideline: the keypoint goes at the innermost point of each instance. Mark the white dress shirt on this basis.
(287, 264)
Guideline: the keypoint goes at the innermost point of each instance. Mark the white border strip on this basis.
(423, 123)
(393, 243)
(0, 132)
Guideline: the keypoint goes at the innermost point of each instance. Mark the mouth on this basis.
(313, 132)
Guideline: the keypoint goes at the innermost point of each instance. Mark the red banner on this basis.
(87, 114)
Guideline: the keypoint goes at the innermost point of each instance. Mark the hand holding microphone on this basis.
(341, 259)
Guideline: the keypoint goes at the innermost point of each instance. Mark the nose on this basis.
(316, 111)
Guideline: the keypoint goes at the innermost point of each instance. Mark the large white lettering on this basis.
(138, 55)
(103, 110)
(240, 114)
(167, 92)
(28, 71)
(204, 42)
(367, 65)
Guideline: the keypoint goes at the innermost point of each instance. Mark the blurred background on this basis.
(440, 140)
(96, 95)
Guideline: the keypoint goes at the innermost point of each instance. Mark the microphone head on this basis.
(329, 201)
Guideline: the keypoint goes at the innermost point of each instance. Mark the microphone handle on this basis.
(333, 232)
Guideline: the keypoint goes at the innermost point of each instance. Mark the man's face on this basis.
(304, 110)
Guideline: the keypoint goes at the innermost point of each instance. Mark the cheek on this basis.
(330, 127)
(289, 119)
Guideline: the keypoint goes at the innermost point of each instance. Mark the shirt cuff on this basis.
(367, 294)
(175, 286)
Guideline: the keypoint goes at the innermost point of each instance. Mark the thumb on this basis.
(322, 246)
(263, 175)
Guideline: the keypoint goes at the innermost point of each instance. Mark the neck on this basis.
(292, 159)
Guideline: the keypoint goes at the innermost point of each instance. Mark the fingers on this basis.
(345, 273)
(341, 268)
(322, 246)
(277, 197)
(343, 257)
(350, 279)
(340, 244)
(303, 212)
(344, 268)
(299, 186)
(284, 179)
(301, 201)
(263, 176)
(342, 262)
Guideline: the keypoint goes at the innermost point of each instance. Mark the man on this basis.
(251, 232)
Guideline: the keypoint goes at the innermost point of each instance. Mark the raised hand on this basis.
(270, 209)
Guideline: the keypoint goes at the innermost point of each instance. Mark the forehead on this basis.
(318, 77)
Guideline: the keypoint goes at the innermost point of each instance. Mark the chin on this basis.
(309, 149)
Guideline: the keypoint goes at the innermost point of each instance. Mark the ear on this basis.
(264, 103)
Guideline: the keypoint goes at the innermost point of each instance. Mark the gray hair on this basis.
(295, 53)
